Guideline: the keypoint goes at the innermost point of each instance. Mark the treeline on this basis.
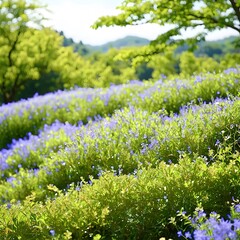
(85, 67)
(214, 48)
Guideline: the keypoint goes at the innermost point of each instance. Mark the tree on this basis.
(230, 60)
(189, 64)
(26, 49)
(70, 68)
(180, 15)
(163, 64)
(97, 70)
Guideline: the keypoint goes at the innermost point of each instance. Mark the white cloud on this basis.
(220, 34)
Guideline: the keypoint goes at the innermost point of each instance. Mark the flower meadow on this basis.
(143, 160)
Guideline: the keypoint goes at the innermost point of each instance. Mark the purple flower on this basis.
(218, 229)
(179, 234)
(11, 179)
(231, 70)
(200, 235)
(237, 208)
(201, 214)
(169, 161)
(222, 229)
(90, 182)
(198, 79)
(236, 224)
(217, 143)
(153, 143)
(188, 235)
(52, 232)
(163, 76)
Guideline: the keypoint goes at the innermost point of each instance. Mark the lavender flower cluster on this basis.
(23, 147)
(20, 118)
(214, 227)
(59, 99)
(62, 99)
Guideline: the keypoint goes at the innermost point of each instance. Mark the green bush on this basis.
(136, 206)
(125, 176)
(18, 119)
(127, 141)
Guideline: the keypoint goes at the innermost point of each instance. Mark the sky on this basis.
(75, 17)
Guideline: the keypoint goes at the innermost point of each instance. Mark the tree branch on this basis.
(213, 20)
(236, 9)
(8, 96)
(13, 48)
(15, 86)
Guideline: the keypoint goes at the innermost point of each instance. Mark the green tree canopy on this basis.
(180, 15)
(26, 49)
(97, 70)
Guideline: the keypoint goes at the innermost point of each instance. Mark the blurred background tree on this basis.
(26, 49)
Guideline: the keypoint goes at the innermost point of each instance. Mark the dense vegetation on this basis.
(135, 153)
(96, 69)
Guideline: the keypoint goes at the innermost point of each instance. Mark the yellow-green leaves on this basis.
(98, 70)
(179, 15)
(26, 59)
(25, 52)
(163, 63)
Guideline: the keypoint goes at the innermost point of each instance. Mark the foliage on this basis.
(69, 67)
(23, 57)
(79, 104)
(102, 70)
(180, 15)
(120, 162)
(113, 67)
(230, 60)
(163, 63)
(59, 63)
(189, 64)
(127, 206)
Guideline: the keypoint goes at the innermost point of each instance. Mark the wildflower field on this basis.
(143, 160)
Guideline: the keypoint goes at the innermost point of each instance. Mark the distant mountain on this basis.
(128, 41)
(85, 49)
(214, 48)
(208, 48)
(218, 47)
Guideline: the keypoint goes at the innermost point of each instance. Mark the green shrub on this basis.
(127, 141)
(136, 206)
